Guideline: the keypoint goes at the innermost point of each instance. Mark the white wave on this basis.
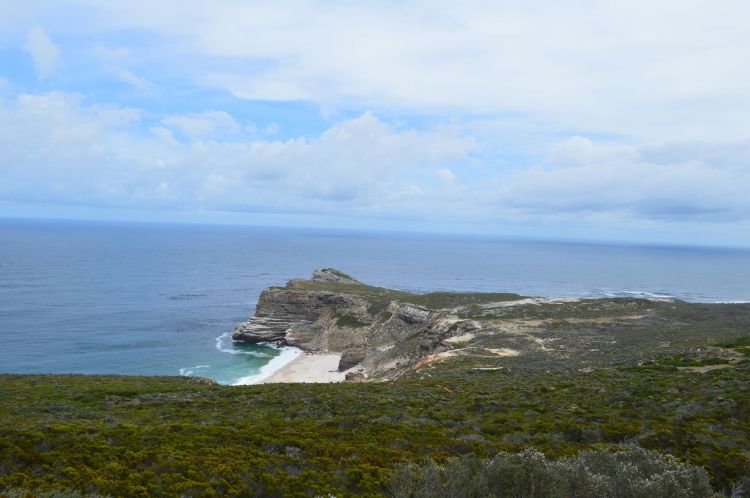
(224, 344)
(651, 296)
(287, 355)
(189, 371)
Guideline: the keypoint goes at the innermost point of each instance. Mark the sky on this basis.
(597, 120)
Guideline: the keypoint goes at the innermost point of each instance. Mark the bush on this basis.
(25, 493)
(349, 321)
(634, 473)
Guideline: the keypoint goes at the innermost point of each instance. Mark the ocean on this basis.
(162, 299)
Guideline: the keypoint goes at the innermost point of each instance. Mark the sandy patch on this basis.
(307, 367)
(503, 352)
(705, 369)
(604, 320)
(434, 358)
(461, 338)
(530, 300)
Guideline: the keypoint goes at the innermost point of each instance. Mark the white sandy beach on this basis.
(308, 367)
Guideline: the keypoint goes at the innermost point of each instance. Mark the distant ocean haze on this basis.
(160, 299)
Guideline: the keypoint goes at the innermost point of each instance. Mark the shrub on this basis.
(25, 493)
(349, 321)
(634, 473)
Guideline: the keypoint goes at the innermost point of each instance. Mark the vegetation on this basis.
(741, 345)
(159, 436)
(338, 273)
(688, 361)
(635, 473)
(380, 297)
(349, 321)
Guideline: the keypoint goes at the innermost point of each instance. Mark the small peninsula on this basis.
(348, 330)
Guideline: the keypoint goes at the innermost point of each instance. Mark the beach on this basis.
(309, 368)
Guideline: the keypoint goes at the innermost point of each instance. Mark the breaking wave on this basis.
(225, 344)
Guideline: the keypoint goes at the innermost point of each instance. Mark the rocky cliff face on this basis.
(332, 312)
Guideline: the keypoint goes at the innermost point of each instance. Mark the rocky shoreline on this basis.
(333, 313)
(382, 334)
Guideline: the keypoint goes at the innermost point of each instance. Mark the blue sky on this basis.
(595, 120)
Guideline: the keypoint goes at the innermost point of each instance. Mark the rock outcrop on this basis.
(332, 312)
(383, 333)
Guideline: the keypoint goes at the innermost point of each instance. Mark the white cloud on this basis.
(447, 177)
(114, 62)
(56, 149)
(140, 84)
(663, 182)
(164, 135)
(45, 53)
(631, 112)
(651, 70)
(272, 129)
(204, 124)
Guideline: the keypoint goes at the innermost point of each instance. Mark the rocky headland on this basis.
(381, 334)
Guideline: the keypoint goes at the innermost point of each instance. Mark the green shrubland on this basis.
(162, 436)
(633, 473)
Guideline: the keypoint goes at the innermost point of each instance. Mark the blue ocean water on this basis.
(160, 299)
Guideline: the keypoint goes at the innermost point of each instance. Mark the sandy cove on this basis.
(308, 367)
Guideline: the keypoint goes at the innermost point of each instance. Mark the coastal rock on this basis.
(350, 359)
(412, 314)
(283, 314)
(332, 276)
(385, 333)
(354, 377)
(370, 327)
(319, 315)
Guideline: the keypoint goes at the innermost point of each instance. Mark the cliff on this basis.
(374, 329)
(383, 333)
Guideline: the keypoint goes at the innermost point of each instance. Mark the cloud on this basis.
(140, 84)
(203, 125)
(584, 115)
(447, 177)
(61, 150)
(114, 62)
(654, 71)
(45, 53)
(677, 182)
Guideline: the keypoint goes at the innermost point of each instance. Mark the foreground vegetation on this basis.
(529, 474)
(155, 436)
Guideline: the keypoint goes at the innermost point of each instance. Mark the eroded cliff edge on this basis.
(383, 333)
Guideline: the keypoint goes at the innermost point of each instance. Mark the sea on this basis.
(162, 299)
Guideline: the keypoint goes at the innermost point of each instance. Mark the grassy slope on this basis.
(380, 297)
(139, 436)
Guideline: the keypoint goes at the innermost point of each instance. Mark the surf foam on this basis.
(287, 355)
(189, 371)
(224, 344)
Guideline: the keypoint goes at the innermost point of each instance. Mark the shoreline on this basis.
(308, 368)
(293, 365)
(288, 354)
